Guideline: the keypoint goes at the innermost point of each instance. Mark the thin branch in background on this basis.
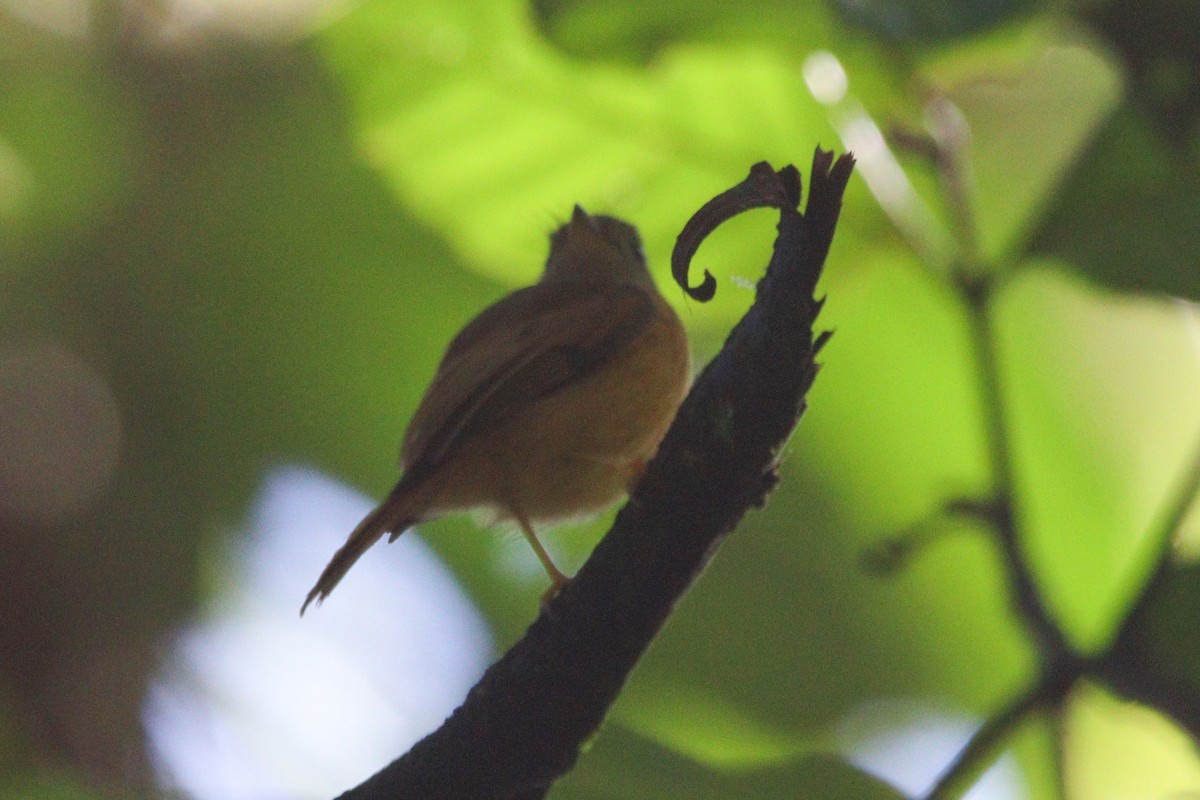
(1026, 597)
(523, 725)
(1061, 667)
(976, 282)
(951, 139)
(889, 556)
(946, 145)
(987, 743)
(982, 749)
(894, 553)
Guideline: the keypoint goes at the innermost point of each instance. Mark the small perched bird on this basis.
(548, 404)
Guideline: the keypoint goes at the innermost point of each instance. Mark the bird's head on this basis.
(596, 249)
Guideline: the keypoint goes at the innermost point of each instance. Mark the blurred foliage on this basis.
(1157, 654)
(254, 249)
(925, 20)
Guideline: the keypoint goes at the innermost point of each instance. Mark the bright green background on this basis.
(261, 244)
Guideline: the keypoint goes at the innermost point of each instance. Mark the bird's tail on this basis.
(394, 515)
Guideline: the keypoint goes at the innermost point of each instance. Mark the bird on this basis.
(547, 405)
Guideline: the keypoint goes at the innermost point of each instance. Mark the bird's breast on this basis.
(591, 439)
(577, 450)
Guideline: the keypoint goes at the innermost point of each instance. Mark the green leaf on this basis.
(489, 135)
(704, 726)
(1101, 393)
(1113, 748)
(1027, 127)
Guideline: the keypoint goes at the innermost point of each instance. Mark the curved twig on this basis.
(763, 188)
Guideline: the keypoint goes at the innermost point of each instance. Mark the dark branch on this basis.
(946, 146)
(522, 726)
(1051, 643)
(985, 744)
(893, 553)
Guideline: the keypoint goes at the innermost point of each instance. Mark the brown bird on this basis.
(548, 404)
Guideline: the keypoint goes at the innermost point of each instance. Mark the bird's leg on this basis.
(558, 581)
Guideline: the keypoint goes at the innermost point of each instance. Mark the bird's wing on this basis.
(527, 346)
